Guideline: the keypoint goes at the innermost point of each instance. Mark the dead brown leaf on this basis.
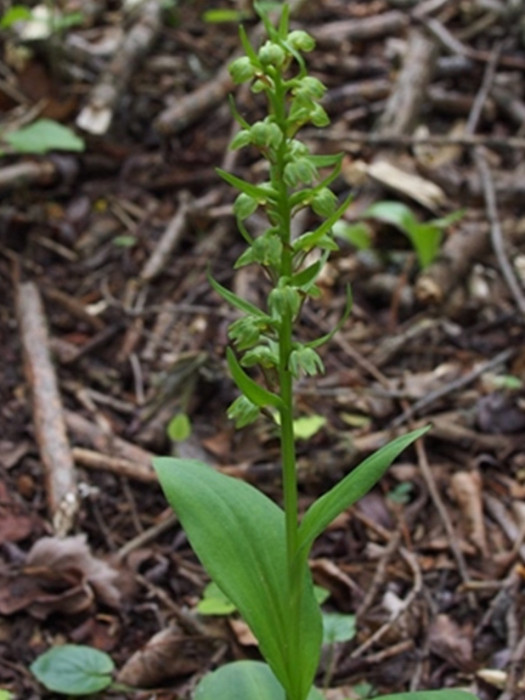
(59, 575)
(451, 642)
(467, 490)
(243, 633)
(168, 654)
(15, 525)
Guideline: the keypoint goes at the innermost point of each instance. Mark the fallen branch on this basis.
(48, 418)
(97, 114)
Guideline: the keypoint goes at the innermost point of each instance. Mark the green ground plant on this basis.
(255, 551)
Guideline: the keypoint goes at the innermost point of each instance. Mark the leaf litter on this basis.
(435, 572)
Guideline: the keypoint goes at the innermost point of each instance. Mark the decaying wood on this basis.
(74, 307)
(190, 108)
(137, 471)
(332, 33)
(50, 430)
(349, 139)
(169, 240)
(456, 384)
(30, 172)
(86, 432)
(426, 471)
(97, 114)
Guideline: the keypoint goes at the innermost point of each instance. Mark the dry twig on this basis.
(496, 234)
(50, 429)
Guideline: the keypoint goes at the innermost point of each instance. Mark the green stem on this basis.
(288, 455)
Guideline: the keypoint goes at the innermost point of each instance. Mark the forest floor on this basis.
(104, 257)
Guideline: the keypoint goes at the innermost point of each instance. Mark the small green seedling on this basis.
(39, 22)
(74, 669)
(425, 237)
(42, 136)
(255, 551)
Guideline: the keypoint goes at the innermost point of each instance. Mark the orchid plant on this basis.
(255, 550)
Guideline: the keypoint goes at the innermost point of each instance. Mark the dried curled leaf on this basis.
(168, 654)
(59, 575)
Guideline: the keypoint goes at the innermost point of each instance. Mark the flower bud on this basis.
(244, 206)
(319, 117)
(324, 202)
(241, 70)
(271, 54)
(301, 41)
(310, 87)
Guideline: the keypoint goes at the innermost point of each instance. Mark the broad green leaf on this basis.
(214, 602)
(351, 488)
(6, 695)
(395, 213)
(426, 241)
(256, 393)
(43, 136)
(338, 627)
(74, 669)
(357, 234)
(236, 301)
(239, 536)
(425, 237)
(179, 428)
(430, 695)
(244, 680)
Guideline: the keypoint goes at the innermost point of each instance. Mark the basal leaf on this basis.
(253, 391)
(239, 536)
(351, 488)
(74, 669)
(244, 680)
